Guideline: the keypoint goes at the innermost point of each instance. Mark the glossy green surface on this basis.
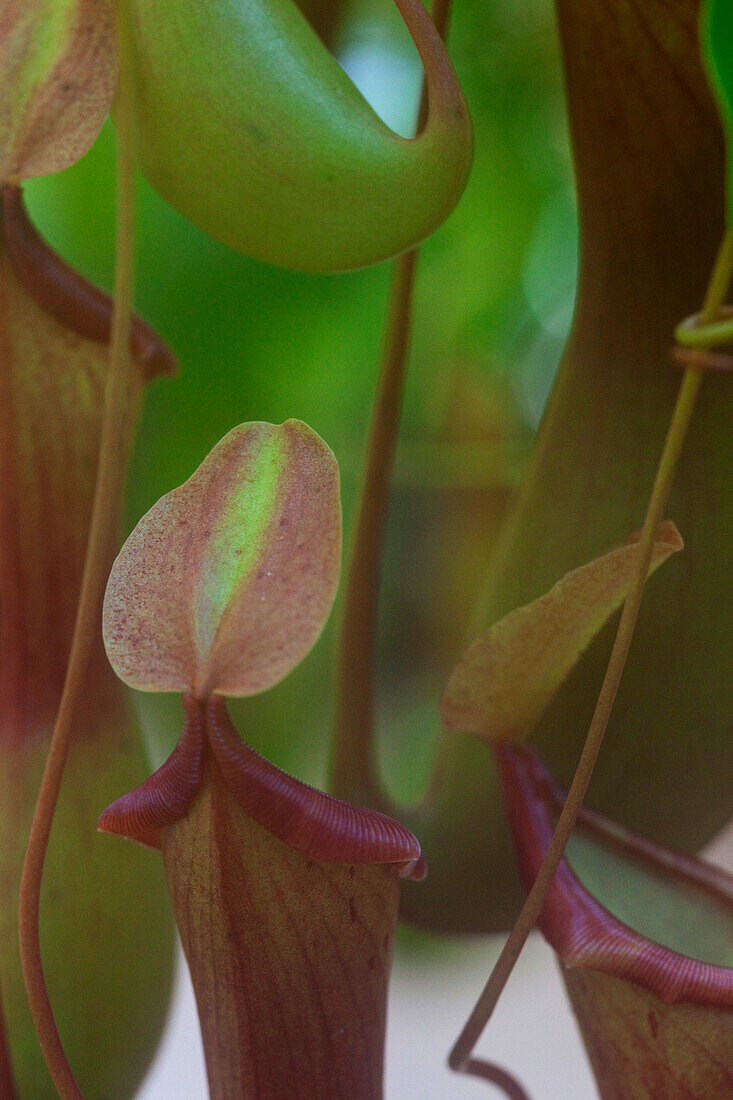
(250, 128)
(717, 42)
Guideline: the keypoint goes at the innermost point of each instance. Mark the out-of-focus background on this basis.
(494, 302)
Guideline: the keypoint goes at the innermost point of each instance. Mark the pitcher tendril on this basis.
(108, 488)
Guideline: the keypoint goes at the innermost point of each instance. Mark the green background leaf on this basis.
(717, 42)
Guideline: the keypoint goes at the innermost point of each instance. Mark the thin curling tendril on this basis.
(460, 1056)
(109, 483)
(695, 332)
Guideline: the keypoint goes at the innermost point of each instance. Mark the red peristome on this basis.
(167, 795)
(73, 301)
(583, 932)
(323, 827)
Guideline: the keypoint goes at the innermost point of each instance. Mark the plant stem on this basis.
(108, 488)
(460, 1056)
(497, 1076)
(354, 770)
(353, 761)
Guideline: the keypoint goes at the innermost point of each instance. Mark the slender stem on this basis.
(108, 487)
(706, 331)
(353, 766)
(353, 762)
(460, 1056)
(497, 1076)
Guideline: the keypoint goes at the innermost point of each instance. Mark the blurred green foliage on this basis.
(493, 303)
(717, 43)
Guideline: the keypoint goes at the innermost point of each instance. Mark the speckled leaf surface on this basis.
(508, 675)
(59, 70)
(227, 582)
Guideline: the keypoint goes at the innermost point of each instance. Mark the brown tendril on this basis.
(488, 1071)
(676, 434)
(108, 488)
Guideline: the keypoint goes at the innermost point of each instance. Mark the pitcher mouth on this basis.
(582, 931)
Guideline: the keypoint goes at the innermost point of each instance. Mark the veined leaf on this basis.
(289, 957)
(286, 901)
(227, 582)
(508, 675)
(54, 332)
(58, 62)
